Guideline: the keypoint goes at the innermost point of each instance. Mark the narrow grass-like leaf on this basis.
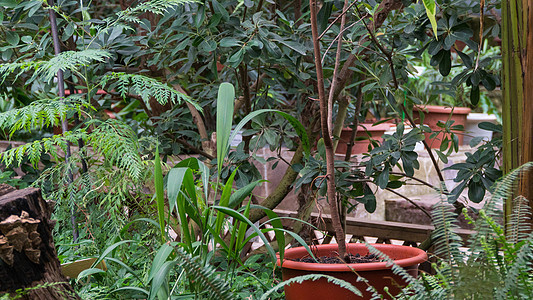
(225, 106)
(224, 200)
(160, 281)
(109, 250)
(237, 215)
(159, 193)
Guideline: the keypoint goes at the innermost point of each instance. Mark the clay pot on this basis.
(361, 146)
(433, 114)
(378, 274)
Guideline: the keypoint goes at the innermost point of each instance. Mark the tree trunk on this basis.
(28, 258)
(517, 85)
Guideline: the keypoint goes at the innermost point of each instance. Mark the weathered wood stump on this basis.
(28, 258)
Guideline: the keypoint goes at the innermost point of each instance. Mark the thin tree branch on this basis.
(336, 69)
(326, 135)
(410, 201)
(341, 15)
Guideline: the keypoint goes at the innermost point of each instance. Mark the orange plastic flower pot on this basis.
(379, 274)
(433, 114)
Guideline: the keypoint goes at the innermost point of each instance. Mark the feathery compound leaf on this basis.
(42, 113)
(71, 60)
(446, 241)
(119, 145)
(37, 148)
(156, 7)
(18, 68)
(204, 276)
(519, 223)
(147, 88)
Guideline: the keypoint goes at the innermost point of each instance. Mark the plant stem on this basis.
(64, 124)
(326, 135)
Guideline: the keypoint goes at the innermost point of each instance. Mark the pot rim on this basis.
(442, 109)
(370, 127)
(418, 256)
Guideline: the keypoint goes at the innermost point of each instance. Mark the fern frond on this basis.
(37, 148)
(519, 274)
(18, 68)
(155, 6)
(71, 60)
(68, 60)
(204, 276)
(119, 145)
(42, 113)
(519, 221)
(446, 241)
(147, 88)
(410, 280)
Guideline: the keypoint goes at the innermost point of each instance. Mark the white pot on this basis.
(472, 130)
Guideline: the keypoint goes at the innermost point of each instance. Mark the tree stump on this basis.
(28, 259)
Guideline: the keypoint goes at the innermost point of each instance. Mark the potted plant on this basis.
(444, 122)
(378, 273)
(365, 133)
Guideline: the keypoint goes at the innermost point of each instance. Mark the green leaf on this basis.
(294, 122)
(220, 9)
(224, 200)
(160, 258)
(445, 64)
(12, 38)
(159, 284)
(442, 156)
(225, 106)
(490, 127)
(229, 42)
(383, 178)
(235, 214)
(323, 16)
(88, 272)
(159, 193)
(238, 196)
(294, 46)
(474, 95)
(465, 58)
(109, 250)
(431, 11)
(476, 191)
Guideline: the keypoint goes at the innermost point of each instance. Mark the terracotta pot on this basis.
(361, 146)
(433, 114)
(378, 274)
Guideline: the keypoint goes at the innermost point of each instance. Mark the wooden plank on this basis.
(382, 229)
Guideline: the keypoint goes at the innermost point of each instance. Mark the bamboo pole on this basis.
(517, 85)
